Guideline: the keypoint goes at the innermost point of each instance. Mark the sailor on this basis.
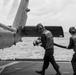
(48, 44)
(72, 45)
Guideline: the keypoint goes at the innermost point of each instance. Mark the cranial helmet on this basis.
(72, 30)
(40, 26)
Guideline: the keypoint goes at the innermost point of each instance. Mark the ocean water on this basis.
(26, 50)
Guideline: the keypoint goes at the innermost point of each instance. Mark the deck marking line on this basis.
(6, 65)
(1, 69)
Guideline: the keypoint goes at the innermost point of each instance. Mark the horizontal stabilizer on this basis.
(7, 28)
(31, 31)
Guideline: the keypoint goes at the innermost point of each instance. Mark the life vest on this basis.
(49, 39)
(74, 40)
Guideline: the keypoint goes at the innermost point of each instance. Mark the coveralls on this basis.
(72, 45)
(48, 45)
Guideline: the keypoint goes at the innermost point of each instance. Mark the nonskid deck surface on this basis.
(30, 67)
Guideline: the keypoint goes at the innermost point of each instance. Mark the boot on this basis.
(58, 74)
(41, 72)
(57, 70)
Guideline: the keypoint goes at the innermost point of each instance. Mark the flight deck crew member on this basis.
(48, 44)
(72, 45)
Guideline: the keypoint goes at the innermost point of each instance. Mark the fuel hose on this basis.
(60, 46)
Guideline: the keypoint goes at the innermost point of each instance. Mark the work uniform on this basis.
(72, 45)
(48, 45)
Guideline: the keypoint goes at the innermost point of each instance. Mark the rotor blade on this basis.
(13, 8)
(5, 2)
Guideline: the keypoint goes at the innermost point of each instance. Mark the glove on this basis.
(36, 42)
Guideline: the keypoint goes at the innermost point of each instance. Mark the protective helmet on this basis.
(40, 27)
(72, 30)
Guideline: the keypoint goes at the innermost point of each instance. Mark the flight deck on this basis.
(29, 67)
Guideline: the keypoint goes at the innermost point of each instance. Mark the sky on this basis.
(48, 12)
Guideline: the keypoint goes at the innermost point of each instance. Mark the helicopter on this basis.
(10, 35)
